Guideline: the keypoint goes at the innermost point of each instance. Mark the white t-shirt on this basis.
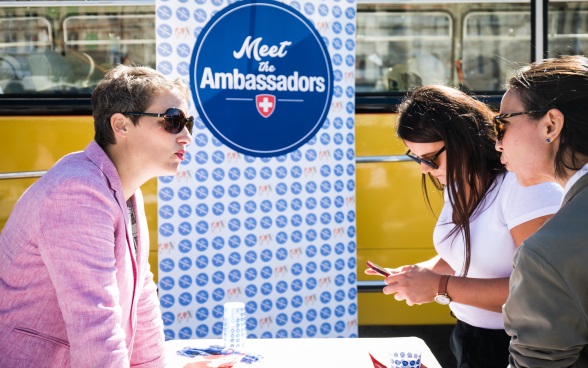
(492, 248)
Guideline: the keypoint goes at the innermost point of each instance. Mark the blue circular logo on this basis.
(339, 280)
(185, 281)
(251, 83)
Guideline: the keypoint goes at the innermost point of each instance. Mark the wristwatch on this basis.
(442, 297)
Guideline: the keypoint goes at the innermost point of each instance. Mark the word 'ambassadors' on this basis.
(261, 82)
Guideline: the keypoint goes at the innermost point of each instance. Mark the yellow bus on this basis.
(52, 54)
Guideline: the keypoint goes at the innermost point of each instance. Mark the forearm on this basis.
(488, 294)
(437, 265)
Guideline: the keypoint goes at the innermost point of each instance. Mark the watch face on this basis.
(442, 299)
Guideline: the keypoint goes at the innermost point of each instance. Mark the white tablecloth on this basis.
(312, 353)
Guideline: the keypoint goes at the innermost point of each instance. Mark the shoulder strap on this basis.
(577, 187)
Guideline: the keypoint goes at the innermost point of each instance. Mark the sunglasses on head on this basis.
(429, 162)
(500, 122)
(174, 119)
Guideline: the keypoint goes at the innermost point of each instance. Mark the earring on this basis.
(548, 140)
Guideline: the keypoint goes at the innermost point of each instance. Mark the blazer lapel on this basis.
(96, 154)
(575, 189)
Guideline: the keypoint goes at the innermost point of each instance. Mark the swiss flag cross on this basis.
(266, 104)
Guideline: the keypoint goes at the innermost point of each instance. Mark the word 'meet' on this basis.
(258, 52)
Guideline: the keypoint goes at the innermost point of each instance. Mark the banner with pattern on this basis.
(263, 208)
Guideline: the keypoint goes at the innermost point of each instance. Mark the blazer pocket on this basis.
(35, 334)
(30, 348)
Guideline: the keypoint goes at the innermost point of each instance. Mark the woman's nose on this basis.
(185, 136)
(498, 146)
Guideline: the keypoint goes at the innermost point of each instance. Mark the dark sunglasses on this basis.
(430, 162)
(173, 118)
(499, 121)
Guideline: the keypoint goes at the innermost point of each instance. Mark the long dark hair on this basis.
(560, 83)
(464, 124)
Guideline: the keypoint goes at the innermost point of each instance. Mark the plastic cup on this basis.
(405, 359)
(234, 329)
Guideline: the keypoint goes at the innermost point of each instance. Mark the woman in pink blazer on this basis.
(75, 285)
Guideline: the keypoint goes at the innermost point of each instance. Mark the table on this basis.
(311, 353)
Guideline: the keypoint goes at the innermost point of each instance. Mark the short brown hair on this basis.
(127, 88)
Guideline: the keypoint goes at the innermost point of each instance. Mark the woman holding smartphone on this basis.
(486, 216)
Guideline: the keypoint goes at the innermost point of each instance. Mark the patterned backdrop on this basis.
(276, 232)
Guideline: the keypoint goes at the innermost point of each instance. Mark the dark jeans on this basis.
(476, 347)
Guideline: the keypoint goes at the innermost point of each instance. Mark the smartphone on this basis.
(379, 269)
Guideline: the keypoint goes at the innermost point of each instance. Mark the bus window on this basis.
(568, 28)
(399, 50)
(67, 49)
(474, 45)
(24, 34)
(112, 39)
(21, 37)
(494, 44)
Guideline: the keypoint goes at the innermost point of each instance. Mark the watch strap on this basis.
(443, 281)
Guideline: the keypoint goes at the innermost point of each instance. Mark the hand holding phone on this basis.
(379, 269)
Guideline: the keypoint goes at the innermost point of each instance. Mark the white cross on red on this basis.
(266, 105)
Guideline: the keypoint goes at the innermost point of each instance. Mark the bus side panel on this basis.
(32, 143)
(394, 224)
(149, 190)
(35, 143)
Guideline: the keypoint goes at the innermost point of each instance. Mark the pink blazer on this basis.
(73, 293)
